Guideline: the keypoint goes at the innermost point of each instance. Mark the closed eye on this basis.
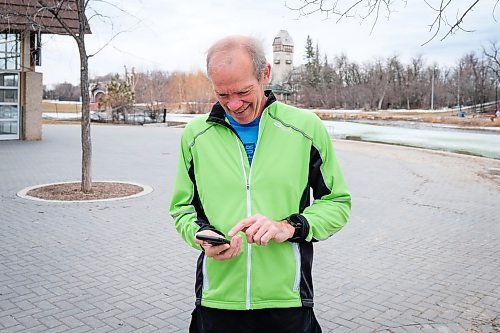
(243, 93)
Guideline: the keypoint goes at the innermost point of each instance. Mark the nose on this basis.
(234, 104)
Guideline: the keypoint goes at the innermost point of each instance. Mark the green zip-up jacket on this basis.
(216, 187)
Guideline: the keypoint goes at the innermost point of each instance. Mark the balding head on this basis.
(248, 44)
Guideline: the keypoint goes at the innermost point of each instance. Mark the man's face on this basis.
(237, 89)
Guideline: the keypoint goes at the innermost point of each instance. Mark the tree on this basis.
(312, 65)
(52, 16)
(43, 15)
(150, 88)
(373, 9)
(119, 97)
(492, 54)
(192, 92)
(54, 7)
(67, 91)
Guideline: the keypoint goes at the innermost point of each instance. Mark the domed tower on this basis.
(282, 58)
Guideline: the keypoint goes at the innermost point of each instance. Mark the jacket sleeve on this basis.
(331, 207)
(186, 208)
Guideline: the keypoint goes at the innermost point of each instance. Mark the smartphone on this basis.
(213, 240)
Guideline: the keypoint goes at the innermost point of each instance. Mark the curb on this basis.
(145, 190)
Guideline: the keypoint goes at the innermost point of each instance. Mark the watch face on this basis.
(294, 224)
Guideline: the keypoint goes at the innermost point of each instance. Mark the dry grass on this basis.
(478, 120)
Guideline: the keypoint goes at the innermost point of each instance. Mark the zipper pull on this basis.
(248, 187)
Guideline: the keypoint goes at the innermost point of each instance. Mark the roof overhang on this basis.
(36, 15)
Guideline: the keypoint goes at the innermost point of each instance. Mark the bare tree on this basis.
(191, 89)
(492, 54)
(444, 21)
(389, 83)
(52, 16)
(54, 8)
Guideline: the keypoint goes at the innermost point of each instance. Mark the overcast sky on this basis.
(174, 35)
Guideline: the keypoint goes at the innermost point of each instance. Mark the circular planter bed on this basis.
(71, 191)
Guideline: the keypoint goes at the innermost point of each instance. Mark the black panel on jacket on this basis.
(198, 286)
(306, 282)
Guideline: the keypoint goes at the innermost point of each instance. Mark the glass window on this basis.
(10, 51)
(8, 127)
(8, 95)
(8, 79)
(8, 112)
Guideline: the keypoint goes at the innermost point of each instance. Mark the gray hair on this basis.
(251, 45)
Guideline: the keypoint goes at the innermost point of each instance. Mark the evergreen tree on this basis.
(119, 96)
(312, 66)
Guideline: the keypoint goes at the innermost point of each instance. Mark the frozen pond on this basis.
(481, 143)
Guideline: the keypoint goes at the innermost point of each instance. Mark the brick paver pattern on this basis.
(420, 254)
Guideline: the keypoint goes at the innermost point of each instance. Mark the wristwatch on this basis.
(296, 224)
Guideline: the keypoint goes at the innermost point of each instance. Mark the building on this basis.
(282, 66)
(282, 58)
(22, 25)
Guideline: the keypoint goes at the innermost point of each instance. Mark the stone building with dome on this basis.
(282, 58)
(282, 66)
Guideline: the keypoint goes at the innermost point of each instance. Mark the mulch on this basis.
(73, 191)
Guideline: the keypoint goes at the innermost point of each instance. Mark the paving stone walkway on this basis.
(420, 254)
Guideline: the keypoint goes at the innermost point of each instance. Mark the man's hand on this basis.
(220, 252)
(260, 230)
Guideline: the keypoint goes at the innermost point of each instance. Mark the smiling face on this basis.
(237, 89)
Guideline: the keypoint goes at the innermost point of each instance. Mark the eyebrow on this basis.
(244, 89)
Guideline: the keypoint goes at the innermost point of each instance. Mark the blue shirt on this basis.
(248, 133)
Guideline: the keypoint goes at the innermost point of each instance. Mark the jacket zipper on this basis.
(249, 213)
(248, 179)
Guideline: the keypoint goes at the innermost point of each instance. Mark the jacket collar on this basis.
(218, 114)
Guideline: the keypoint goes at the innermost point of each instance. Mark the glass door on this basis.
(10, 63)
(9, 105)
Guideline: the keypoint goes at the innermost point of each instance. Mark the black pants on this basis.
(289, 320)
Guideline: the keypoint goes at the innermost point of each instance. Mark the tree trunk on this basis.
(381, 100)
(85, 126)
(84, 85)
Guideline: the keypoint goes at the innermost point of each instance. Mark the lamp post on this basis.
(458, 89)
(494, 80)
(496, 95)
(432, 88)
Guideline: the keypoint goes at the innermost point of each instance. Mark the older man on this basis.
(246, 170)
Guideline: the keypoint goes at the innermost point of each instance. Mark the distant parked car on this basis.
(139, 119)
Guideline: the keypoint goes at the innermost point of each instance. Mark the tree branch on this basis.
(460, 20)
(55, 14)
(374, 8)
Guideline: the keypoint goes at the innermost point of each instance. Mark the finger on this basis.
(197, 241)
(259, 233)
(236, 245)
(252, 231)
(240, 226)
(264, 240)
(213, 251)
(259, 228)
(233, 251)
(224, 255)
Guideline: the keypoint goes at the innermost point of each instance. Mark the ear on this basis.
(266, 75)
